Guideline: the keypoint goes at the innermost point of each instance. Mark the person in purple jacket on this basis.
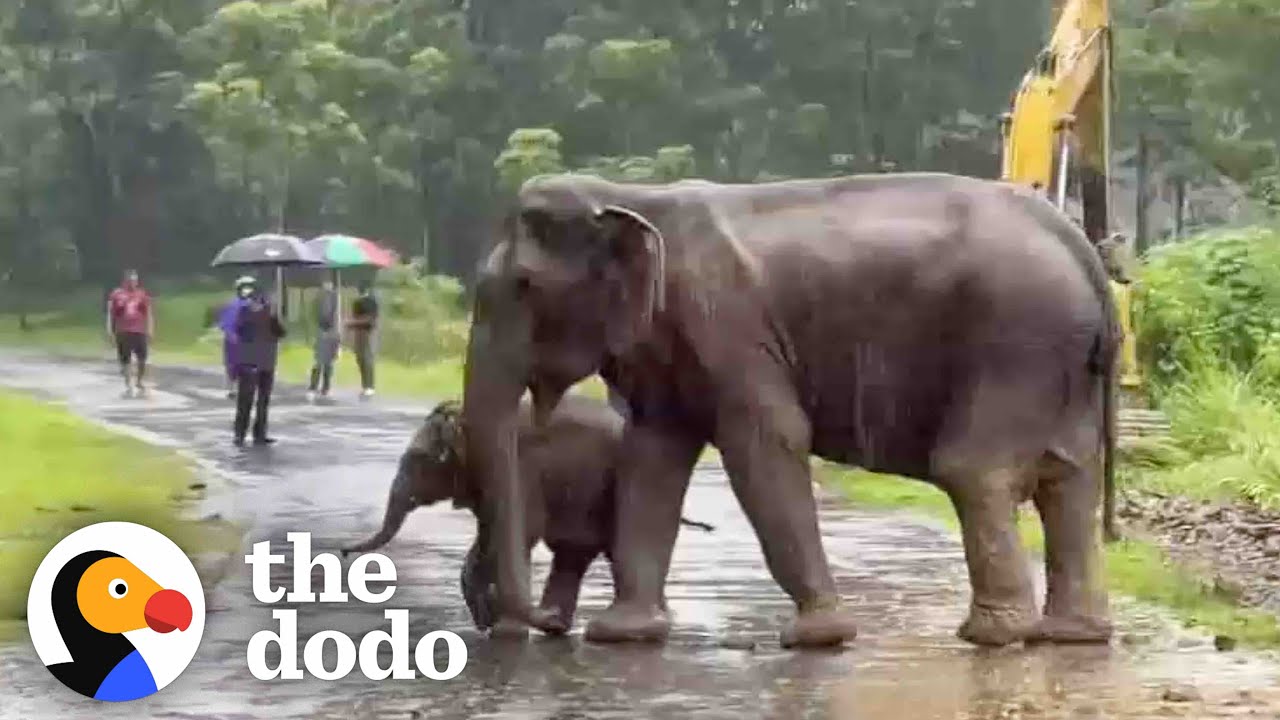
(227, 324)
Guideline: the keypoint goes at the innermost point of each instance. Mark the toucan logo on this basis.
(116, 611)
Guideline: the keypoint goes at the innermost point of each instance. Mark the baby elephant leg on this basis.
(560, 597)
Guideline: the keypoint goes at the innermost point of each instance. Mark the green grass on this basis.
(75, 327)
(63, 473)
(1134, 568)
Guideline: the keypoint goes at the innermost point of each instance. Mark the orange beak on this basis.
(168, 610)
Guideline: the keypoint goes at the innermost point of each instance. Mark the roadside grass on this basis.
(63, 473)
(418, 359)
(1134, 567)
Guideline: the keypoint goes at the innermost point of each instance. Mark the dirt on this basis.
(1234, 547)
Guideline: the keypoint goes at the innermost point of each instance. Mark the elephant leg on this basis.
(560, 597)
(766, 452)
(1002, 610)
(477, 587)
(648, 499)
(1075, 607)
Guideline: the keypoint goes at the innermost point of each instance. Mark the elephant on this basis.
(569, 465)
(944, 328)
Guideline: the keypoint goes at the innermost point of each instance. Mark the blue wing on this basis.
(130, 679)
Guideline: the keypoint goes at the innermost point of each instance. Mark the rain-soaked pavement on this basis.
(329, 475)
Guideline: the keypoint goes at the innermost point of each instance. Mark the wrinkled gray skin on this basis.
(569, 468)
(955, 330)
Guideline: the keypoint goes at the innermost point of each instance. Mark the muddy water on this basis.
(329, 475)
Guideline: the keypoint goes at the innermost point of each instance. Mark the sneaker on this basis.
(141, 391)
(128, 392)
(238, 441)
(368, 392)
(311, 396)
(264, 441)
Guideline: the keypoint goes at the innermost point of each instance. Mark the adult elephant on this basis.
(950, 329)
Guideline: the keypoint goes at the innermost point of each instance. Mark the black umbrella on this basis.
(271, 249)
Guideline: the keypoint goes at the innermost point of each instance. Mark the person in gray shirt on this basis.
(328, 340)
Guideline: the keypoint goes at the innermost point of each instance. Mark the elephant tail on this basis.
(707, 527)
(1109, 531)
(1104, 364)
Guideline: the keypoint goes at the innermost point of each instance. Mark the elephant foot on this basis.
(1073, 629)
(826, 626)
(997, 626)
(628, 623)
(508, 628)
(551, 621)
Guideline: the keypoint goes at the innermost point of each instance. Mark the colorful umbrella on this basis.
(344, 251)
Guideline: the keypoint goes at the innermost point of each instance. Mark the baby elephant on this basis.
(567, 471)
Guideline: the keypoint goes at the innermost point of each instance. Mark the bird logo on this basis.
(116, 611)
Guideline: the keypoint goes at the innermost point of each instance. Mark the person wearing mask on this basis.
(328, 341)
(258, 331)
(364, 326)
(131, 325)
(227, 324)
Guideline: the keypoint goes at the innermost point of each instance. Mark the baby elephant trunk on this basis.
(399, 502)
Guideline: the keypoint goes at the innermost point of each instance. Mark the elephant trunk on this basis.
(399, 503)
(496, 376)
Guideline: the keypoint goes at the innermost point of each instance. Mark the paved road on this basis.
(329, 475)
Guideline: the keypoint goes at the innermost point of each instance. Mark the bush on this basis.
(424, 317)
(1210, 300)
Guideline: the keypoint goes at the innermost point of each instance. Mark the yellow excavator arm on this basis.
(1059, 126)
(1057, 137)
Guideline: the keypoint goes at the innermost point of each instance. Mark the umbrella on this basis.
(339, 251)
(267, 249)
(270, 249)
(344, 251)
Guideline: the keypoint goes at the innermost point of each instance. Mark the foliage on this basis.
(1212, 299)
(152, 133)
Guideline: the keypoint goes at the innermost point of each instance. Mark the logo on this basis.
(116, 611)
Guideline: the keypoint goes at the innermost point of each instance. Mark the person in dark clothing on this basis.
(364, 326)
(328, 341)
(227, 324)
(259, 331)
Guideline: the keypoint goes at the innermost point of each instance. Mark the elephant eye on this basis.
(118, 588)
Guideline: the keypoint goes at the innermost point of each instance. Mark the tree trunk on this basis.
(1179, 206)
(1141, 231)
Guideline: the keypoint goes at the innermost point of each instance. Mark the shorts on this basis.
(131, 344)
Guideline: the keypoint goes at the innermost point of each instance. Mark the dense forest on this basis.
(149, 133)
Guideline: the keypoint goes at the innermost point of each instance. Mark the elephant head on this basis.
(432, 469)
(578, 275)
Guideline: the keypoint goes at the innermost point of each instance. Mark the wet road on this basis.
(329, 476)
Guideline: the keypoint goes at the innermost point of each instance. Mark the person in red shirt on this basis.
(131, 324)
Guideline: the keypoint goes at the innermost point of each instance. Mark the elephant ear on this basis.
(639, 252)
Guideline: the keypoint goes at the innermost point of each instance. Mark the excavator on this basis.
(1057, 138)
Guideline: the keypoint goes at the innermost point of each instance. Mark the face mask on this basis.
(246, 292)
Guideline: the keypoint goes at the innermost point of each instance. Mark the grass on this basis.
(75, 327)
(63, 473)
(1134, 568)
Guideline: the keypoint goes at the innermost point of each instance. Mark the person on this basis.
(131, 324)
(327, 341)
(227, 324)
(364, 327)
(258, 331)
